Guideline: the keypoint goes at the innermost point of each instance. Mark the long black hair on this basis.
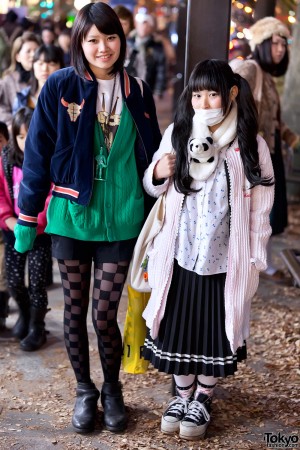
(22, 117)
(262, 54)
(107, 22)
(216, 75)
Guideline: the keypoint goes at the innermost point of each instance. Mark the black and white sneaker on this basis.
(194, 424)
(174, 413)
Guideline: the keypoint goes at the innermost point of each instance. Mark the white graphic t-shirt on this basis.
(106, 106)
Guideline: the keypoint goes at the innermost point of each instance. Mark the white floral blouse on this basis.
(202, 241)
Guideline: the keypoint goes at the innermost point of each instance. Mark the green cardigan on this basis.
(116, 209)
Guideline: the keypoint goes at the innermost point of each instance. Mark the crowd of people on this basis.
(77, 113)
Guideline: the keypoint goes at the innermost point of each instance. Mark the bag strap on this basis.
(141, 85)
(257, 93)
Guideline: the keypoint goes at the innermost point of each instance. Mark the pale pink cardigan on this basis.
(250, 231)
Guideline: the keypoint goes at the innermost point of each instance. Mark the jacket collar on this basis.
(126, 83)
(88, 76)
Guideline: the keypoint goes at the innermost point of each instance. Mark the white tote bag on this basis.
(151, 228)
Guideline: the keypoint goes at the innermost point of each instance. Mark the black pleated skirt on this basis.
(192, 338)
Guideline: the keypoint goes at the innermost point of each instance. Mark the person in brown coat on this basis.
(269, 59)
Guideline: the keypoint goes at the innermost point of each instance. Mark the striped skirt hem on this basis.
(192, 337)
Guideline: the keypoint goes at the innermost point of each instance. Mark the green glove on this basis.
(25, 237)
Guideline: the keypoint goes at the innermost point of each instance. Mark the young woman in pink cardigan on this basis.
(32, 300)
(203, 266)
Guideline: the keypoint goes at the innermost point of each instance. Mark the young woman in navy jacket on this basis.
(93, 134)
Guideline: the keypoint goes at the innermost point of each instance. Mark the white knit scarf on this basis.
(204, 151)
(227, 130)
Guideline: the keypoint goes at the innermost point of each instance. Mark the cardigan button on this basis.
(108, 205)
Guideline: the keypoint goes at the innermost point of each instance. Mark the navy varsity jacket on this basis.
(59, 144)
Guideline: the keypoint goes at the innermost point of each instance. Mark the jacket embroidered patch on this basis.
(73, 109)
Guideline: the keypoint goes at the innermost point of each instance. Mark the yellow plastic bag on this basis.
(135, 332)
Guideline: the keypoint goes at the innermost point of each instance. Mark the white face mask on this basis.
(209, 117)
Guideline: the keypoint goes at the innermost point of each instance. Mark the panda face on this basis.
(201, 151)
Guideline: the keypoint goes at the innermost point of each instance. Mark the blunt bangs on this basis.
(205, 81)
(22, 117)
(50, 53)
(213, 75)
(107, 22)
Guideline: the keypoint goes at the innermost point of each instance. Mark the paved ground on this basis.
(37, 390)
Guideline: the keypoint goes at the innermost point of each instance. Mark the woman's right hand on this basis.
(165, 167)
(11, 223)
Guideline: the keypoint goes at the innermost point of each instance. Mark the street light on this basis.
(78, 4)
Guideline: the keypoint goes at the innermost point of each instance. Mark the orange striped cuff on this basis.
(67, 191)
(25, 218)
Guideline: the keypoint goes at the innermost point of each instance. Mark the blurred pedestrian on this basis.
(203, 266)
(170, 52)
(270, 58)
(4, 295)
(17, 76)
(5, 50)
(151, 48)
(11, 26)
(93, 132)
(64, 41)
(134, 63)
(32, 301)
(4, 135)
(48, 35)
(46, 60)
(126, 18)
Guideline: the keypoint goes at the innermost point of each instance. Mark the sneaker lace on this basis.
(196, 411)
(178, 405)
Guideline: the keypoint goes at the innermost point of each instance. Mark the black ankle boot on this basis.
(114, 416)
(36, 336)
(4, 297)
(85, 410)
(20, 329)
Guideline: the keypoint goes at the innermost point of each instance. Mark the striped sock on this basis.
(205, 385)
(185, 385)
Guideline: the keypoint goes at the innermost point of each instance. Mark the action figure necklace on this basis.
(101, 159)
(106, 131)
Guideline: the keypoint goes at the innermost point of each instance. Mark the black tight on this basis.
(109, 279)
(38, 258)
